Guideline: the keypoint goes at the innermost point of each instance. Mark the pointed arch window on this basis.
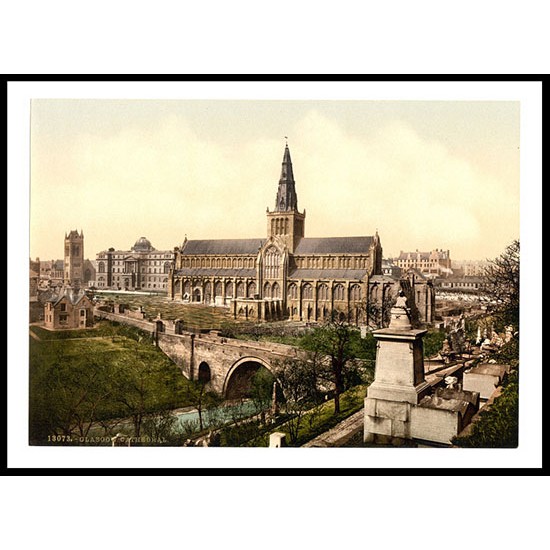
(229, 289)
(339, 293)
(240, 289)
(251, 289)
(322, 292)
(355, 293)
(293, 291)
(272, 261)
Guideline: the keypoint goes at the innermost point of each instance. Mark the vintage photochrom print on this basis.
(314, 273)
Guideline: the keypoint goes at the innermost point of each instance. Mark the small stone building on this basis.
(70, 308)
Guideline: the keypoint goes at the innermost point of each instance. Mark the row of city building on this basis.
(142, 267)
(282, 275)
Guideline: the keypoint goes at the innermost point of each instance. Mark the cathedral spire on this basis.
(286, 194)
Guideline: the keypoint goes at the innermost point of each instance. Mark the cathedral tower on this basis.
(74, 258)
(285, 221)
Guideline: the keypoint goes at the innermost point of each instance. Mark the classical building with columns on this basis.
(141, 268)
(284, 275)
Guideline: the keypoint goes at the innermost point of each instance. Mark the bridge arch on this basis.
(204, 372)
(238, 378)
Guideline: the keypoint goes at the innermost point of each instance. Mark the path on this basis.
(341, 433)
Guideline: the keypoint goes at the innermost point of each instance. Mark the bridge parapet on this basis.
(219, 356)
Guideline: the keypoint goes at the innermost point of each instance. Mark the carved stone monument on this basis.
(400, 404)
(399, 378)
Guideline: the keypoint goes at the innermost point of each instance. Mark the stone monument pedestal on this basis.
(399, 379)
(400, 404)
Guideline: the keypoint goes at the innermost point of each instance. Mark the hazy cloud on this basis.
(165, 181)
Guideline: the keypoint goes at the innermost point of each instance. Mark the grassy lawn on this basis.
(110, 374)
(93, 347)
(102, 329)
(195, 316)
(319, 419)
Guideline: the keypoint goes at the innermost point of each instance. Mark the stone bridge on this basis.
(227, 363)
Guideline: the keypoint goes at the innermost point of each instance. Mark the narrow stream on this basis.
(218, 416)
(188, 420)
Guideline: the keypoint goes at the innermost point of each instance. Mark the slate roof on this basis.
(356, 274)
(66, 292)
(414, 256)
(417, 274)
(383, 279)
(213, 272)
(334, 245)
(439, 254)
(48, 295)
(323, 245)
(222, 246)
(143, 244)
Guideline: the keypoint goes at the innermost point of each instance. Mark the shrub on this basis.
(497, 426)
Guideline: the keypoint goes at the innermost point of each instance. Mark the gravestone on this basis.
(277, 439)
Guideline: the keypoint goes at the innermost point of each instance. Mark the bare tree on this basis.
(298, 379)
(202, 398)
(502, 285)
(335, 341)
(378, 312)
(261, 392)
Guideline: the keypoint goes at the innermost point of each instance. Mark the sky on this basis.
(424, 174)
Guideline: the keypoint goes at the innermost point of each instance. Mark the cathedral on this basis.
(287, 275)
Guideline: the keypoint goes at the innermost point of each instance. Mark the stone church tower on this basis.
(285, 221)
(74, 258)
(291, 276)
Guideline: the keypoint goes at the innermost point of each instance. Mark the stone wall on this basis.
(437, 425)
(179, 348)
(484, 378)
(221, 355)
(124, 319)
